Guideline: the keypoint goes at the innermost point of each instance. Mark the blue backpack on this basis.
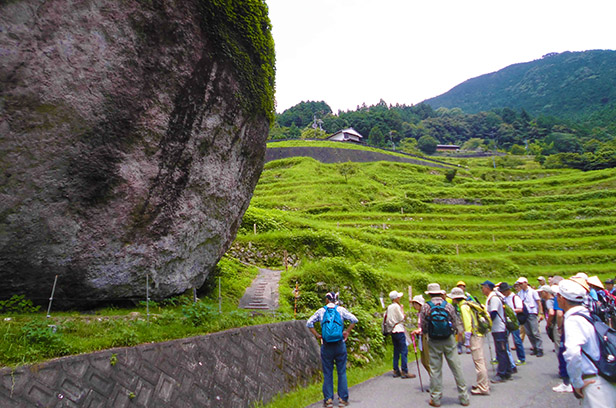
(332, 325)
(439, 326)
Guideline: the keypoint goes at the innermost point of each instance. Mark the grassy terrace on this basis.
(408, 223)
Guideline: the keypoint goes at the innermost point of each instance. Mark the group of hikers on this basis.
(580, 314)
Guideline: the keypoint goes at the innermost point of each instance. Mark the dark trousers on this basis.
(500, 345)
(400, 351)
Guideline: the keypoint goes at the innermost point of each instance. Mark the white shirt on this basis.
(513, 301)
(580, 335)
(530, 297)
(395, 316)
(493, 303)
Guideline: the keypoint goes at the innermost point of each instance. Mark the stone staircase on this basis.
(263, 292)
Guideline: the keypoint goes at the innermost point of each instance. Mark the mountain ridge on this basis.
(569, 85)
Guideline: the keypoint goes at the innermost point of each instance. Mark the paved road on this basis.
(531, 387)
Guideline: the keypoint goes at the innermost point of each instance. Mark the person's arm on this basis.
(345, 334)
(574, 339)
(539, 306)
(315, 333)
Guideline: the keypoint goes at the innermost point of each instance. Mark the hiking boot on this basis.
(434, 404)
(329, 403)
(465, 403)
(539, 353)
(520, 362)
(408, 375)
(563, 388)
(343, 403)
(494, 361)
(533, 352)
(477, 391)
(498, 379)
(514, 370)
(397, 373)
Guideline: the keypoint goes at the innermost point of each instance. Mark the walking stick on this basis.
(490, 348)
(417, 361)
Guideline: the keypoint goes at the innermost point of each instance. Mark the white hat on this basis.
(547, 289)
(419, 299)
(571, 291)
(522, 279)
(393, 295)
(580, 275)
(554, 289)
(541, 278)
(457, 293)
(435, 289)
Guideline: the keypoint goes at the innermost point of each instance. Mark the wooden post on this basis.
(296, 292)
(383, 225)
(457, 250)
(286, 264)
(410, 294)
(493, 239)
(401, 210)
(254, 228)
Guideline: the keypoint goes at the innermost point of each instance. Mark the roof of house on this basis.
(349, 131)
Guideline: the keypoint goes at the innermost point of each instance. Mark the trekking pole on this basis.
(490, 348)
(417, 361)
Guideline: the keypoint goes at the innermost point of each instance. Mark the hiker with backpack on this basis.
(517, 305)
(393, 321)
(473, 337)
(585, 354)
(531, 299)
(333, 347)
(499, 332)
(440, 321)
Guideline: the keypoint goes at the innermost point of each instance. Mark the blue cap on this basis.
(488, 284)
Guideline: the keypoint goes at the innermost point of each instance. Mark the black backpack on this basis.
(606, 366)
(523, 315)
(439, 326)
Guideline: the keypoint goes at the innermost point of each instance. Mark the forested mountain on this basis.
(570, 85)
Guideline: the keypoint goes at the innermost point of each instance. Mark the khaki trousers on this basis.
(483, 384)
(601, 394)
(448, 349)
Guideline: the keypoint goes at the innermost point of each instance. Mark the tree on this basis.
(450, 174)
(427, 144)
(346, 169)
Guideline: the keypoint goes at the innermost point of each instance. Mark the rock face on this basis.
(132, 135)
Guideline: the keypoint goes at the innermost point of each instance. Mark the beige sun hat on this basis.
(419, 299)
(595, 281)
(435, 289)
(457, 293)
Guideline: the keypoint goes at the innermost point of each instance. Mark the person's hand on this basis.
(540, 317)
(579, 392)
(345, 335)
(416, 332)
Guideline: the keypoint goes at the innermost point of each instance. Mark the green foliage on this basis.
(450, 174)
(18, 304)
(427, 144)
(346, 170)
(240, 31)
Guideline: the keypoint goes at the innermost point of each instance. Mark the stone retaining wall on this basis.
(234, 368)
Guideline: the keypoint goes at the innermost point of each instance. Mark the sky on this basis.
(351, 52)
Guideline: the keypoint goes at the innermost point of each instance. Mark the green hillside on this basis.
(394, 224)
(568, 85)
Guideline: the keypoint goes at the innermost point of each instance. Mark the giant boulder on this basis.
(132, 134)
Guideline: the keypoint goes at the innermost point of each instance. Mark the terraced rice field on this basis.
(410, 224)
